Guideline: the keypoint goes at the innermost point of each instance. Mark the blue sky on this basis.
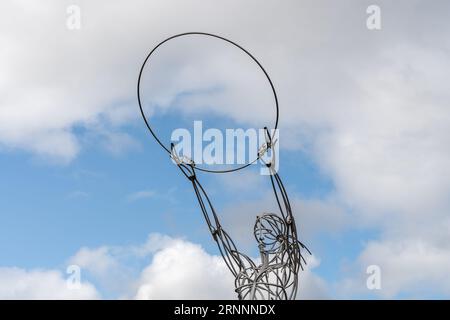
(90, 201)
(363, 145)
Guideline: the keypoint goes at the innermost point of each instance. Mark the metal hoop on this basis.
(168, 150)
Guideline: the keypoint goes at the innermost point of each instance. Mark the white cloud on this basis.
(18, 283)
(97, 260)
(311, 286)
(410, 268)
(155, 242)
(107, 268)
(56, 79)
(391, 160)
(184, 270)
(178, 269)
(115, 269)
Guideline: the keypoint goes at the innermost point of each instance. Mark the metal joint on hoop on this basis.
(180, 160)
(266, 145)
(262, 150)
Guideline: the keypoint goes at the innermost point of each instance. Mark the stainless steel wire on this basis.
(275, 275)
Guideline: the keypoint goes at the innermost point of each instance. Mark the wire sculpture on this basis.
(275, 276)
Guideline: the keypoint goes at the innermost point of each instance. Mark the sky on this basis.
(364, 145)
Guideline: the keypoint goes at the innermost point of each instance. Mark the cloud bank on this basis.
(371, 108)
